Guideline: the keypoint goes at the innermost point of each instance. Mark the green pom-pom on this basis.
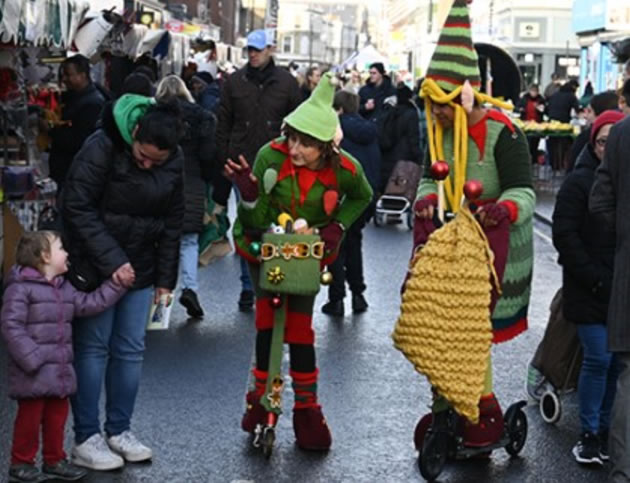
(254, 248)
(270, 178)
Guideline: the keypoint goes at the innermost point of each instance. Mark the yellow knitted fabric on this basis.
(444, 328)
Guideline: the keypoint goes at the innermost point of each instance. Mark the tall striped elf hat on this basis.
(455, 59)
(453, 78)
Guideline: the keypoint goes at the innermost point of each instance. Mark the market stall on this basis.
(34, 36)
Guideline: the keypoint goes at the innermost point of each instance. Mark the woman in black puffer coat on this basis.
(122, 208)
(587, 250)
(199, 152)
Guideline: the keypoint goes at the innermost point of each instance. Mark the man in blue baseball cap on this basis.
(258, 49)
(254, 102)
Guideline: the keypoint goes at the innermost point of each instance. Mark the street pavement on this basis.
(195, 375)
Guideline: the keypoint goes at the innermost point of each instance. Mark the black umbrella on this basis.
(506, 76)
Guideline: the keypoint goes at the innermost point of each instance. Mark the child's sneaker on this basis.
(603, 445)
(94, 454)
(586, 451)
(23, 473)
(128, 446)
(64, 470)
(535, 383)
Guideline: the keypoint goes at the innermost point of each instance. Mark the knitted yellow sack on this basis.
(444, 328)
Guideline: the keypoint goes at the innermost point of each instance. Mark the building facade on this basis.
(324, 33)
(536, 33)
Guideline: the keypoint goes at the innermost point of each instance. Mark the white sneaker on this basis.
(94, 454)
(127, 446)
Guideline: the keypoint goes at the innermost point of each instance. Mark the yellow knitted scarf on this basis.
(431, 92)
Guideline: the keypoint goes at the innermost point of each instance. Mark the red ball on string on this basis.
(473, 189)
(439, 170)
(276, 302)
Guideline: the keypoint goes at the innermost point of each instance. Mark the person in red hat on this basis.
(587, 251)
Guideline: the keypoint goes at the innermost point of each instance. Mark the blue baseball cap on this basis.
(257, 39)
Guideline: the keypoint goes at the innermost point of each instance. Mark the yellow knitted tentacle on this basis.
(430, 130)
(454, 201)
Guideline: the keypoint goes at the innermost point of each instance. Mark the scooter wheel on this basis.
(550, 408)
(517, 430)
(432, 458)
(269, 437)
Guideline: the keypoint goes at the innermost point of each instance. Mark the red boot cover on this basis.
(421, 430)
(305, 388)
(490, 427)
(311, 430)
(255, 413)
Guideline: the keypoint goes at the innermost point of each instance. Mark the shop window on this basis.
(287, 44)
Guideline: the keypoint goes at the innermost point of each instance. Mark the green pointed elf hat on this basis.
(455, 59)
(316, 116)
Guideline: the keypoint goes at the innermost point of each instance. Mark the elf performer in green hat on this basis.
(305, 175)
(478, 144)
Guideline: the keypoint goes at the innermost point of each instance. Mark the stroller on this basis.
(395, 205)
(555, 368)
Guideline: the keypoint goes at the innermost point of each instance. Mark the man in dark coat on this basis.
(82, 105)
(206, 91)
(360, 139)
(374, 93)
(254, 102)
(559, 107)
(610, 200)
(400, 134)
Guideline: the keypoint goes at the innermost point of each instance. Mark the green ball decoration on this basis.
(254, 248)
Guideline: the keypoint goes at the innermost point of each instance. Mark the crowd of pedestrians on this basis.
(134, 174)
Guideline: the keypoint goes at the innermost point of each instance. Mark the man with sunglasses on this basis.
(254, 102)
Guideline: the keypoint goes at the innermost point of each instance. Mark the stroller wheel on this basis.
(432, 458)
(550, 408)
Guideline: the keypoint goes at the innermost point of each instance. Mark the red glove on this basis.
(246, 186)
(422, 226)
(331, 235)
(423, 204)
(493, 214)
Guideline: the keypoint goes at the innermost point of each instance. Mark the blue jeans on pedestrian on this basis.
(110, 347)
(246, 280)
(598, 378)
(189, 260)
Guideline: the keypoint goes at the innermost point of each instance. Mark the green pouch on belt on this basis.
(291, 263)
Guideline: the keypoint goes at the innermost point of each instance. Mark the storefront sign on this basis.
(594, 15)
(589, 15)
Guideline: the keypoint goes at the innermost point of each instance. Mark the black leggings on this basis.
(302, 356)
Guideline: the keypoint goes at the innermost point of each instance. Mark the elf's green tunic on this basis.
(498, 156)
(285, 196)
